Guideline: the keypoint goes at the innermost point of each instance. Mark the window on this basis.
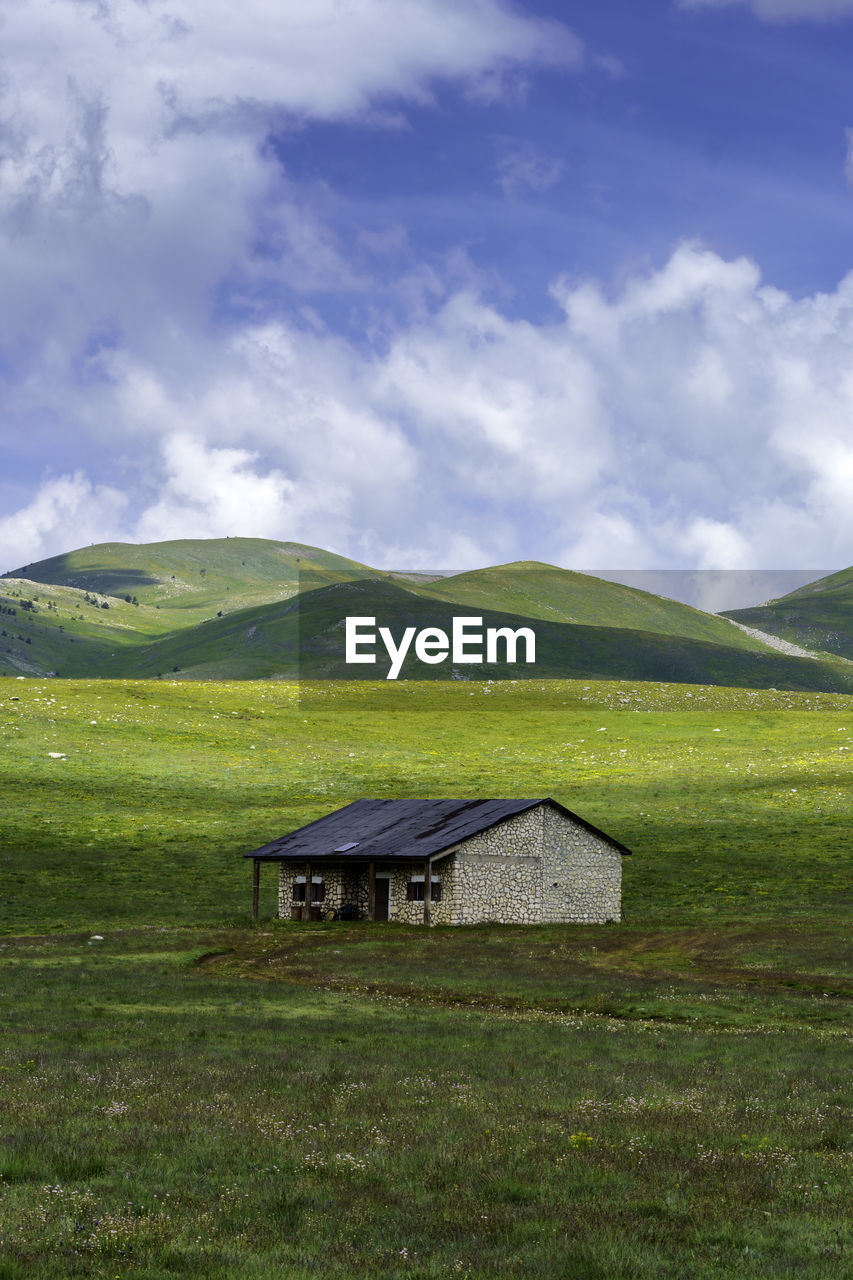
(318, 889)
(415, 890)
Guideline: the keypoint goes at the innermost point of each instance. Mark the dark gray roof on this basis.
(402, 830)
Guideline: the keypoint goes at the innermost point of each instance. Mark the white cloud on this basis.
(272, 432)
(137, 190)
(170, 65)
(524, 166)
(134, 178)
(207, 490)
(693, 417)
(780, 10)
(710, 543)
(66, 512)
(485, 389)
(605, 539)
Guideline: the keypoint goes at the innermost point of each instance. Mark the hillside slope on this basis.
(817, 617)
(99, 607)
(242, 608)
(192, 577)
(54, 630)
(304, 638)
(562, 649)
(536, 590)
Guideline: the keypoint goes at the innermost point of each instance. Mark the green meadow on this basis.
(193, 1093)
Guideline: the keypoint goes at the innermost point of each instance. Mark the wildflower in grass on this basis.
(637, 1147)
(346, 1160)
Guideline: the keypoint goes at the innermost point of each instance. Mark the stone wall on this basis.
(497, 874)
(538, 867)
(340, 887)
(406, 912)
(581, 873)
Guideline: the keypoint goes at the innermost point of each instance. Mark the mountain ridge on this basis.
(241, 608)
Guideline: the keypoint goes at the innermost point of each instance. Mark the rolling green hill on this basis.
(98, 610)
(193, 580)
(64, 630)
(245, 608)
(191, 577)
(303, 637)
(563, 650)
(532, 589)
(818, 616)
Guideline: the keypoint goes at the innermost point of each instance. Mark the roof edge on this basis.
(525, 807)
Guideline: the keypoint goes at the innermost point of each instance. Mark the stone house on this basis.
(447, 862)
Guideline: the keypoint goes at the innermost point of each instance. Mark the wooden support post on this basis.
(256, 886)
(306, 911)
(427, 892)
(371, 891)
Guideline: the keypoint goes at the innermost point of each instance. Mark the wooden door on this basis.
(383, 887)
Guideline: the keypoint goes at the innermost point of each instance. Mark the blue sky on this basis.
(430, 283)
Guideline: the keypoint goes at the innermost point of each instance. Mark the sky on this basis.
(430, 283)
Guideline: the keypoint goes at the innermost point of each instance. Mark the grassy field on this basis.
(126, 802)
(193, 1094)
